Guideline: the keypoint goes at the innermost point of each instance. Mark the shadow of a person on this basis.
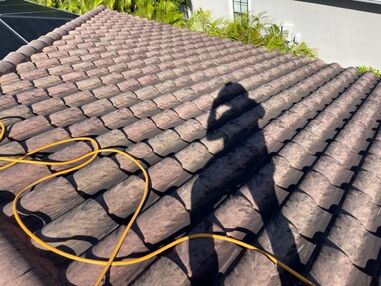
(205, 271)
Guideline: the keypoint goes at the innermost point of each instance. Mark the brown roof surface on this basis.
(282, 152)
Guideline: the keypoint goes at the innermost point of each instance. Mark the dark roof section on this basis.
(22, 22)
(280, 151)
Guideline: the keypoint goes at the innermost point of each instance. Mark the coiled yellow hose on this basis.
(89, 157)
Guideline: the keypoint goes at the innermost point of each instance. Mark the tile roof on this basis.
(280, 151)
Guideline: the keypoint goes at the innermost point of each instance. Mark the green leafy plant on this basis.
(165, 11)
(246, 28)
(274, 38)
(74, 6)
(301, 49)
(364, 69)
(249, 29)
(202, 21)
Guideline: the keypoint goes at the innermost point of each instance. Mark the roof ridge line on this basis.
(10, 61)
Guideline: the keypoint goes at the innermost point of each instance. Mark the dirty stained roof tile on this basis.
(278, 150)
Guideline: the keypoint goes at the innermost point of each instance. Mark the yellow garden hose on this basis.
(85, 160)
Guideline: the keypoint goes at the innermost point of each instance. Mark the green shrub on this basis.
(202, 21)
(364, 69)
(249, 29)
(79, 6)
(166, 11)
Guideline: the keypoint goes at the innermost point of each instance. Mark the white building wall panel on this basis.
(348, 36)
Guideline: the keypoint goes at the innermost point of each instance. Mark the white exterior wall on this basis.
(220, 8)
(349, 37)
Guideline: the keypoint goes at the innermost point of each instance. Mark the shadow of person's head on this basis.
(231, 102)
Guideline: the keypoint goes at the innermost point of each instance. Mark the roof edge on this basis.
(10, 61)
